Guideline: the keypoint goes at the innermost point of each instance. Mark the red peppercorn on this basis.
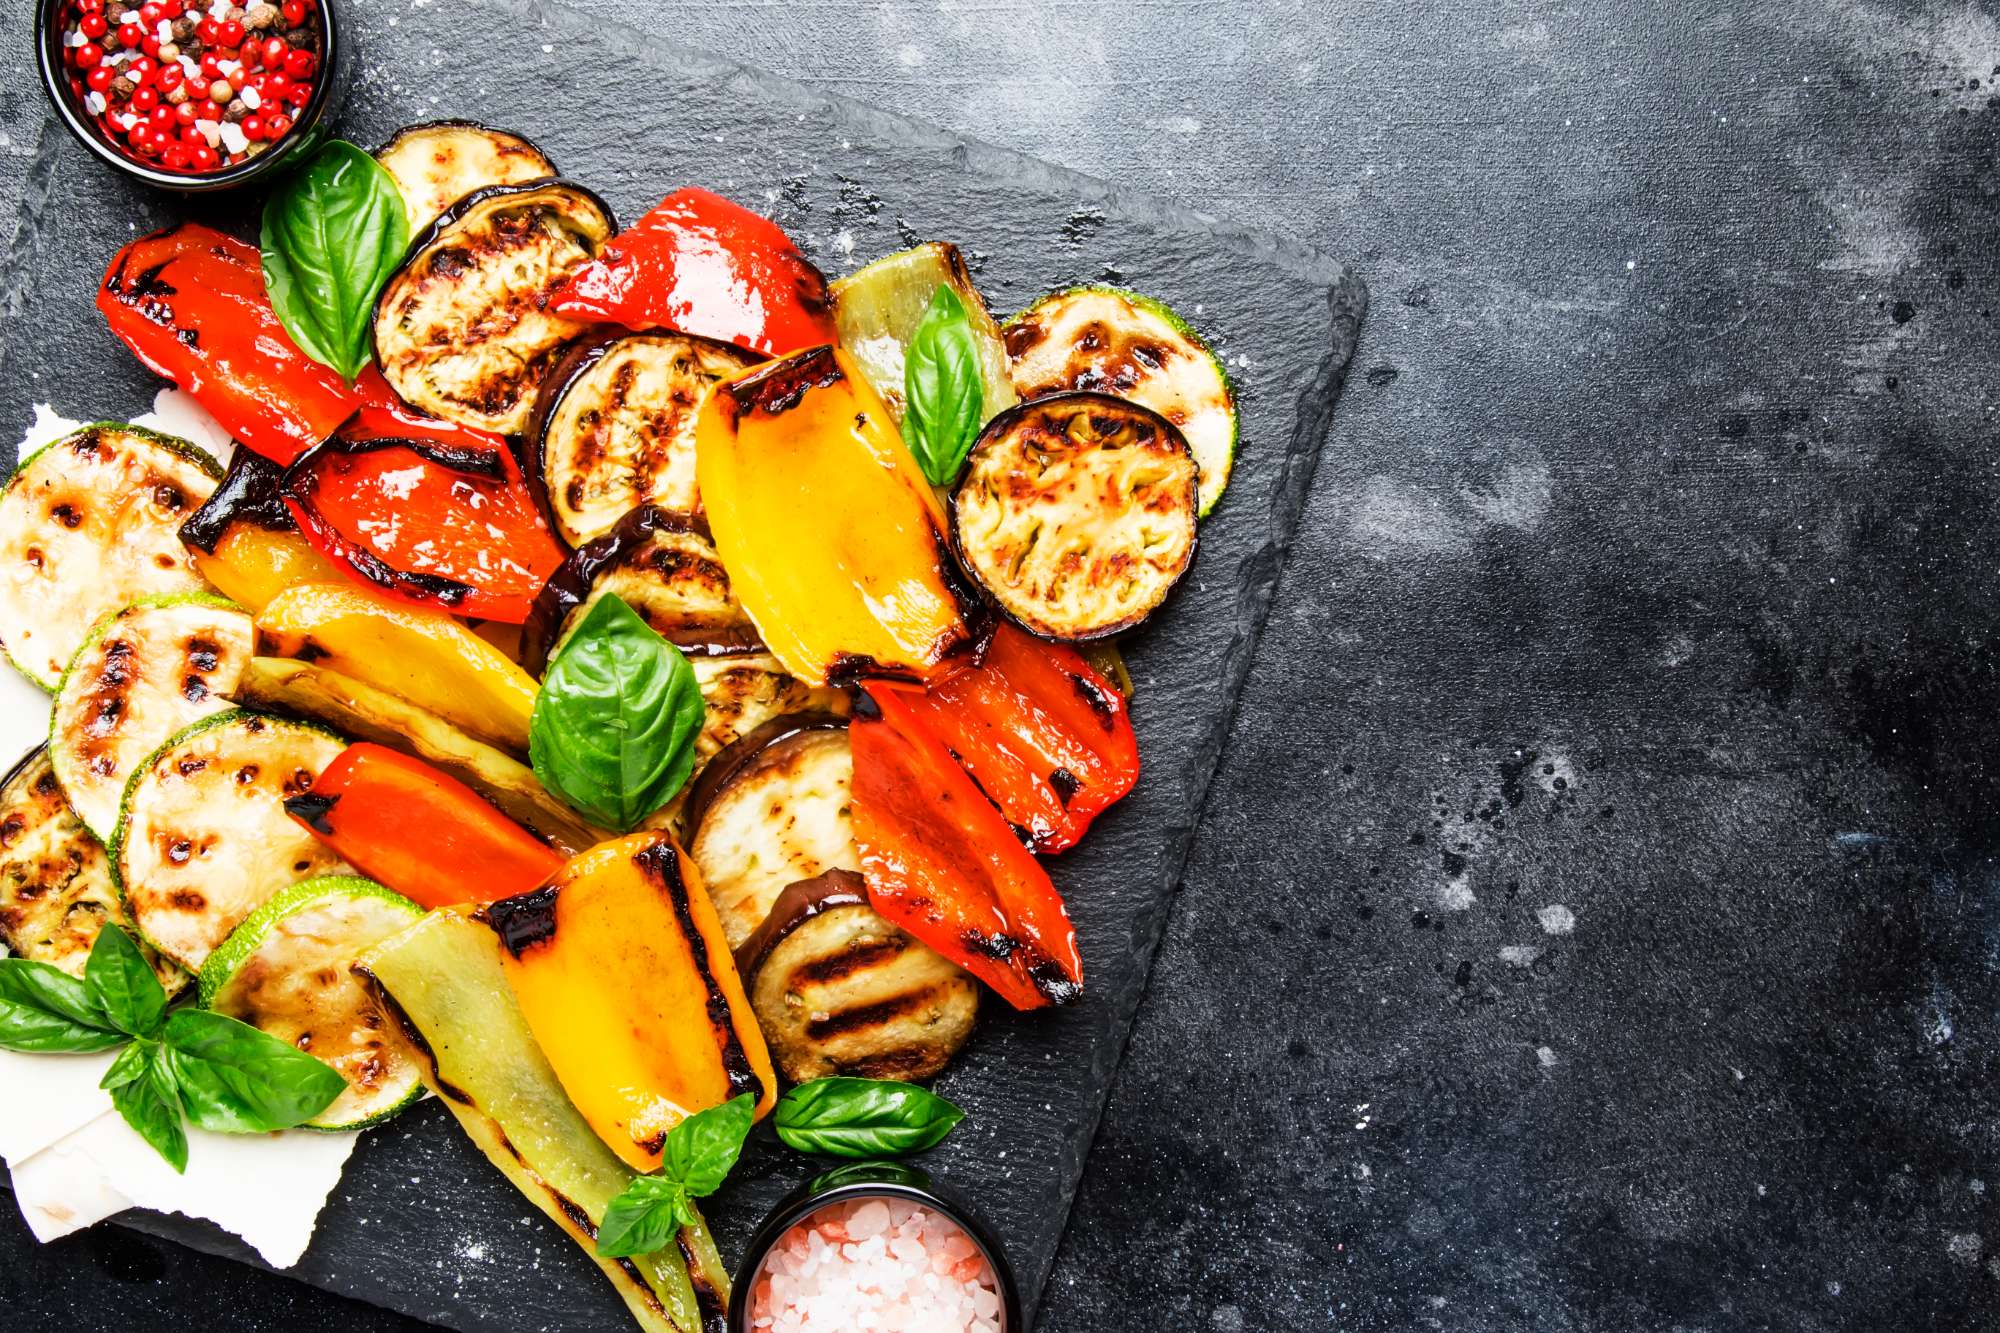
(140, 137)
(271, 52)
(89, 55)
(299, 65)
(237, 78)
(151, 13)
(92, 25)
(169, 77)
(140, 70)
(230, 32)
(175, 158)
(277, 126)
(144, 99)
(100, 78)
(184, 113)
(130, 35)
(252, 126)
(161, 118)
(211, 68)
(206, 159)
(294, 12)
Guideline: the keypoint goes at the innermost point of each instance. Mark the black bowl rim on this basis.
(55, 82)
(896, 1180)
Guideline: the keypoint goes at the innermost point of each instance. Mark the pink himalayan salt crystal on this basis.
(880, 1265)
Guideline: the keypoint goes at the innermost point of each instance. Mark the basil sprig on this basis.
(615, 721)
(218, 1073)
(694, 1161)
(944, 395)
(863, 1117)
(333, 232)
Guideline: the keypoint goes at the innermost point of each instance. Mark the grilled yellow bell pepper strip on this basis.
(835, 544)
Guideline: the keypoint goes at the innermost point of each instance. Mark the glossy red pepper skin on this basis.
(944, 865)
(420, 832)
(701, 264)
(428, 512)
(1046, 738)
(190, 303)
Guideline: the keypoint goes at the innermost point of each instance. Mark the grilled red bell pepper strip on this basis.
(701, 264)
(429, 512)
(190, 303)
(944, 865)
(1043, 734)
(422, 833)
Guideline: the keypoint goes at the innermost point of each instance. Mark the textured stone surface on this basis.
(1592, 512)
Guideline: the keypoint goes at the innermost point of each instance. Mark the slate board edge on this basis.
(1256, 579)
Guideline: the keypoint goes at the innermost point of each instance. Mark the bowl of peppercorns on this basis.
(194, 95)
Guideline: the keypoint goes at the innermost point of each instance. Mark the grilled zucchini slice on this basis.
(614, 426)
(665, 568)
(438, 163)
(365, 713)
(462, 330)
(877, 309)
(1077, 514)
(1107, 340)
(285, 971)
(204, 840)
(90, 524)
(142, 675)
(56, 890)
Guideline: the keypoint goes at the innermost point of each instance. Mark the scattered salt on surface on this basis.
(877, 1264)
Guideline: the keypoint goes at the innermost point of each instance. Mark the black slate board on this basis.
(419, 1222)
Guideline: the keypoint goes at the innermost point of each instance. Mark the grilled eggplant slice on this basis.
(285, 971)
(88, 525)
(614, 426)
(743, 693)
(462, 330)
(664, 567)
(439, 163)
(56, 890)
(365, 713)
(877, 310)
(1107, 340)
(203, 839)
(142, 675)
(1077, 514)
(443, 981)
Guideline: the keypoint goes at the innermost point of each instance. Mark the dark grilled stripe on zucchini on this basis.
(1076, 513)
(56, 890)
(462, 330)
(88, 525)
(438, 163)
(614, 425)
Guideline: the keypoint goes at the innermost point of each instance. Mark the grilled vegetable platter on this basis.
(619, 675)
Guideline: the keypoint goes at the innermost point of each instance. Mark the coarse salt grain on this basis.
(882, 1264)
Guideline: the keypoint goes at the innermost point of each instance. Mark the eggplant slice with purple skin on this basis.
(438, 163)
(462, 329)
(837, 989)
(614, 426)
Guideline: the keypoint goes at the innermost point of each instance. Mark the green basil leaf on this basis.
(615, 721)
(237, 1080)
(333, 232)
(644, 1218)
(45, 1009)
(863, 1117)
(130, 1064)
(149, 1103)
(701, 1149)
(944, 397)
(124, 983)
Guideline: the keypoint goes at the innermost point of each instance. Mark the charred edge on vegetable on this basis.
(781, 386)
(569, 587)
(418, 1042)
(708, 1301)
(735, 757)
(1044, 973)
(1102, 707)
(251, 492)
(145, 292)
(523, 921)
(458, 123)
(1065, 785)
(469, 459)
(799, 902)
(311, 809)
(299, 485)
(660, 862)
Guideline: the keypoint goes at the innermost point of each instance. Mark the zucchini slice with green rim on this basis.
(438, 163)
(143, 674)
(876, 311)
(285, 971)
(462, 329)
(56, 890)
(1077, 514)
(203, 839)
(614, 426)
(1108, 340)
(88, 525)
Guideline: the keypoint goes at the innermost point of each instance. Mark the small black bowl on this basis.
(872, 1180)
(309, 127)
